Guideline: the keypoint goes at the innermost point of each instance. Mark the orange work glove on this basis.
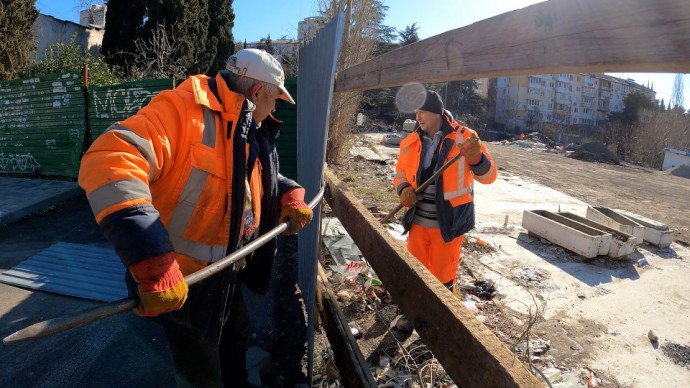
(408, 197)
(295, 210)
(472, 149)
(160, 283)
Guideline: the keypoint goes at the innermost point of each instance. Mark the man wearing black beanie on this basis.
(439, 217)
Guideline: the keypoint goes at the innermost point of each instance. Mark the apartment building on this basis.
(575, 105)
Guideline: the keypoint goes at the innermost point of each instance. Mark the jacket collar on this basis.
(271, 125)
(447, 126)
(230, 103)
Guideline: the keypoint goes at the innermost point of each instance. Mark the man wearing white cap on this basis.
(189, 179)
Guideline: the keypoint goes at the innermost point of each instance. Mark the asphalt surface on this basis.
(124, 350)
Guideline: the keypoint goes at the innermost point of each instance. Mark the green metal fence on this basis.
(109, 104)
(42, 125)
(287, 141)
(43, 121)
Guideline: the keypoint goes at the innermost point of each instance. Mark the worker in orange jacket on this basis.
(438, 219)
(178, 186)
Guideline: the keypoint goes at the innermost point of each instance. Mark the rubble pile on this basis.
(594, 152)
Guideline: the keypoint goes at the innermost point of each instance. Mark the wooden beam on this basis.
(353, 368)
(557, 36)
(467, 349)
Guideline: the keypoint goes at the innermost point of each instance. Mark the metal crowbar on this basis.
(60, 324)
(423, 186)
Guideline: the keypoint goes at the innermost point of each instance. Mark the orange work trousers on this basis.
(438, 256)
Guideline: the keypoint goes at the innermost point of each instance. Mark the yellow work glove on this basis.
(408, 197)
(471, 148)
(295, 209)
(160, 283)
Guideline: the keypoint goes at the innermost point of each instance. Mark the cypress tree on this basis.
(124, 23)
(199, 31)
(220, 32)
(186, 23)
(17, 42)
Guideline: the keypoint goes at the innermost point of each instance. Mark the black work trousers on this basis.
(203, 363)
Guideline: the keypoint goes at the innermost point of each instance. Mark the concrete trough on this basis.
(655, 232)
(614, 220)
(622, 244)
(571, 235)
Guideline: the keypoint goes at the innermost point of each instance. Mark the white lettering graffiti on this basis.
(121, 102)
(18, 162)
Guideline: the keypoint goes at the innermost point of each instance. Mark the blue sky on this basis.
(255, 19)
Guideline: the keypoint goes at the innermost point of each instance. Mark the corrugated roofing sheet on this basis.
(77, 270)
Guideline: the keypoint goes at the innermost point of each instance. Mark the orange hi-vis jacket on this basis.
(454, 188)
(175, 176)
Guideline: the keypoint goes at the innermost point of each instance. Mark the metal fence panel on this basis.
(109, 104)
(42, 125)
(315, 88)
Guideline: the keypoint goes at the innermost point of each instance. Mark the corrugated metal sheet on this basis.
(42, 124)
(367, 154)
(315, 87)
(72, 269)
(287, 141)
(109, 104)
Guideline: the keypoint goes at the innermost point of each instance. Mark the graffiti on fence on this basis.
(117, 103)
(18, 162)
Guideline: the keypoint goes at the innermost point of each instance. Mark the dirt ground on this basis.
(643, 191)
(584, 319)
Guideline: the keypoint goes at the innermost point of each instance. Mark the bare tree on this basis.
(643, 143)
(363, 28)
(656, 131)
(677, 95)
(158, 57)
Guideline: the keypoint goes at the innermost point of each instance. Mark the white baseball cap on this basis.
(259, 65)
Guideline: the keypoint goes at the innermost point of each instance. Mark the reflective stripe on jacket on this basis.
(168, 177)
(454, 188)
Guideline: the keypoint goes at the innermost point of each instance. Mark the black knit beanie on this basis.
(433, 103)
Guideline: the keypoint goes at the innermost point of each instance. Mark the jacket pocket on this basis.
(206, 197)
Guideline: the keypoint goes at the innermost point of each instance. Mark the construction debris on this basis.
(604, 231)
(680, 354)
(593, 152)
(613, 219)
(655, 232)
(367, 154)
(576, 237)
(622, 244)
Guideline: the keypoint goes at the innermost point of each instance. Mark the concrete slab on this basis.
(571, 235)
(622, 244)
(613, 219)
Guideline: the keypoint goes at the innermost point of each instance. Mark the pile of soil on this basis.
(682, 171)
(595, 152)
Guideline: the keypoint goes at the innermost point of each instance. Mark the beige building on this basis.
(50, 31)
(575, 105)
